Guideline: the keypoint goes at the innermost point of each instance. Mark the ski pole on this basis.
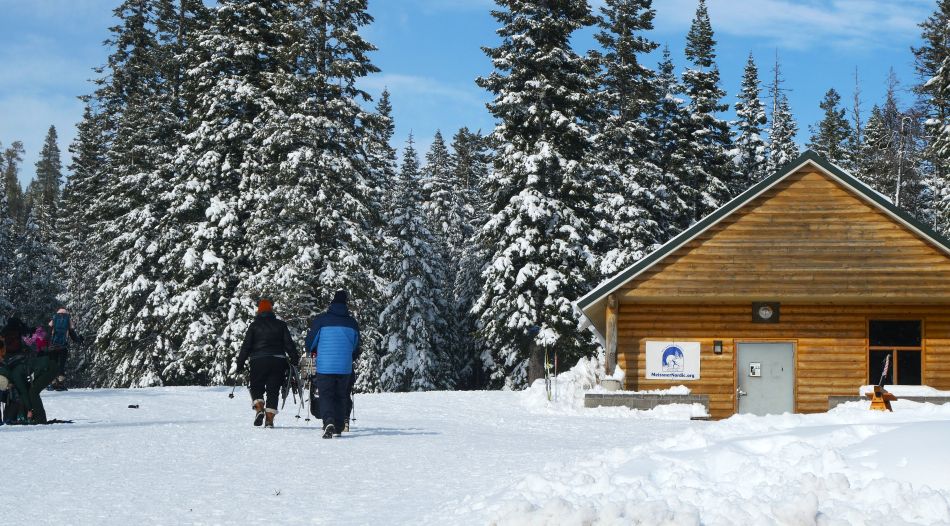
(233, 387)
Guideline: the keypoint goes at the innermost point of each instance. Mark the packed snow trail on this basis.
(191, 456)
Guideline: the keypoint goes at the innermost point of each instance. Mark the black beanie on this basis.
(340, 297)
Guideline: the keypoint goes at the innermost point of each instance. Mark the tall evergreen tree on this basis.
(313, 171)
(783, 129)
(7, 254)
(631, 196)
(444, 207)
(12, 157)
(218, 178)
(669, 121)
(542, 229)
(710, 166)
(782, 146)
(34, 287)
(76, 222)
(414, 355)
(133, 347)
(471, 161)
(382, 183)
(751, 160)
(831, 136)
(49, 180)
(933, 69)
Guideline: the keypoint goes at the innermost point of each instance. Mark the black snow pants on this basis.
(268, 374)
(334, 392)
(348, 401)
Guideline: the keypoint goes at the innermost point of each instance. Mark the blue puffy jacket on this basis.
(335, 338)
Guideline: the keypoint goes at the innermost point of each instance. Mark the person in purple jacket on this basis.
(334, 342)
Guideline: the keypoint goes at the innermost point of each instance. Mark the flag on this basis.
(887, 365)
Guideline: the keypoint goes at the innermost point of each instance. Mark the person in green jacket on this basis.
(44, 370)
(17, 363)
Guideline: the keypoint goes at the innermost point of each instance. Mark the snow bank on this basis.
(849, 466)
(568, 390)
(906, 390)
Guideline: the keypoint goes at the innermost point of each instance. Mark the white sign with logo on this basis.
(672, 361)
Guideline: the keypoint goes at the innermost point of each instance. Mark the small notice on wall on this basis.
(672, 361)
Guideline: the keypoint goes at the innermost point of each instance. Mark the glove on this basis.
(238, 368)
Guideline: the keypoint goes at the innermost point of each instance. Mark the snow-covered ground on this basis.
(190, 456)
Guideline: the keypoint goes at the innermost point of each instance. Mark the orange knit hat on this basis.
(264, 305)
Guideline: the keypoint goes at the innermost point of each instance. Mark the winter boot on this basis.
(269, 418)
(346, 425)
(258, 412)
(329, 431)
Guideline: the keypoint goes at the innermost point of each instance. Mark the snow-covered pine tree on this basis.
(631, 195)
(933, 70)
(710, 168)
(133, 348)
(12, 157)
(892, 153)
(382, 182)
(444, 207)
(7, 253)
(831, 135)
(219, 168)
(34, 288)
(542, 230)
(77, 222)
(317, 190)
(471, 161)
(751, 159)
(49, 180)
(669, 122)
(782, 146)
(414, 356)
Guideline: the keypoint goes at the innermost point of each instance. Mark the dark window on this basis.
(908, 367)
(894, 333)
(876, 366)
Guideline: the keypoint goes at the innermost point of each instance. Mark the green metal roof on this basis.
(809, 157)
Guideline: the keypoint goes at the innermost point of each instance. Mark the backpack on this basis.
(60, 336)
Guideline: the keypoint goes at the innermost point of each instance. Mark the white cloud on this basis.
(804, 24)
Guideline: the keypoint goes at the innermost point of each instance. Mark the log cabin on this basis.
(799, 289)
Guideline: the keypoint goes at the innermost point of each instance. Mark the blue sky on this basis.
(430, 54)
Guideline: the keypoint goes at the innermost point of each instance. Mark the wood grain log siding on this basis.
(831, 345)
(808, 239)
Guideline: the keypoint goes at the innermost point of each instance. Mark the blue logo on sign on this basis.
(673, 361)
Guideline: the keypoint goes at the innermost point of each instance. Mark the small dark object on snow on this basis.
(133, 406)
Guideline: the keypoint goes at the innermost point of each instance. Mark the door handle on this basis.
(740, 392)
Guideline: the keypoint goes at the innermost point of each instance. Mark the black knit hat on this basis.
(340, 297)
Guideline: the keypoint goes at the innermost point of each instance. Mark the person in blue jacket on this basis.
(334, 341)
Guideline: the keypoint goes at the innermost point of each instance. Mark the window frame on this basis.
(895, 373)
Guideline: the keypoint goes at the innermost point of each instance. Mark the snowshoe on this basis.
(329, 431)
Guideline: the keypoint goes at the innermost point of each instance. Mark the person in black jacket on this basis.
(268, 345)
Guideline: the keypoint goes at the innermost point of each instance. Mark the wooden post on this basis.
(611, 334)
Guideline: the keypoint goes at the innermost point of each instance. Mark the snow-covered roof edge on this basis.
(811, 157)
